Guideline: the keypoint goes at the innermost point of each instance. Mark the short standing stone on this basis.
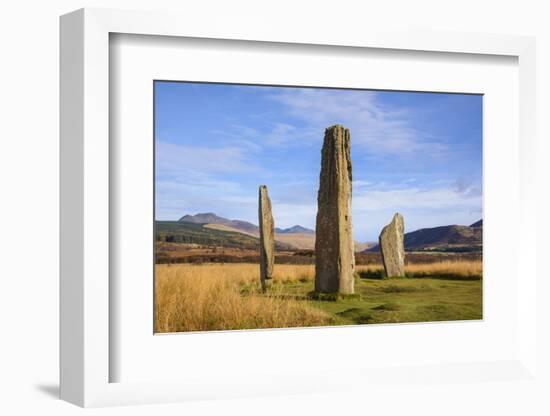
(267, 236)
(392, 248)
(334, 252)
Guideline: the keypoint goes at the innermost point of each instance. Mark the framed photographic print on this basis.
(247, 177)
(291, 197)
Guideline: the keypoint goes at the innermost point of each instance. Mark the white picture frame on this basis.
(86, 356)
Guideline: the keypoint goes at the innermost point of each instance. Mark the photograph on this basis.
(291, 206)
(275, 208)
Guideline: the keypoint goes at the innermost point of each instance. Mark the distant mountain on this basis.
(296, 229)
(211, 218)
(363, 246)
(447, 237)
(296, 237)
(203, 218)
(197, 233)
(457, 238)
(244, 226)
(477, 224)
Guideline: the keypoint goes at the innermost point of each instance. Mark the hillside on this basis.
(359, 246)
(299, 241)
(451, 238)
(230, 229)
(211, 218)
(188, 232)
(204, 234)
(239, 225)
(295, 237)
(477, 224)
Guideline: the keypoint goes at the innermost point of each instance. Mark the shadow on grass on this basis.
(390, 306)
(357, 315)
(381, 275)
(444, 276)
(371, 274)
(286, 296)
(398, 289)
(333, 297)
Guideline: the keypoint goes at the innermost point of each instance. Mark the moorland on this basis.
(207, 278)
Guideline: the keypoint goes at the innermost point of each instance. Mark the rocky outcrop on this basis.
(267, 236)
(392, 247)
(334, 248)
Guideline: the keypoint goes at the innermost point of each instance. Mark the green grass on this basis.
(398, 300)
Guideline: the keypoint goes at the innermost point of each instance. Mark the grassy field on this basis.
(226, 296)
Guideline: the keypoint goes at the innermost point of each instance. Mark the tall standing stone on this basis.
(267, 236)
(392, 247)
(334, 252)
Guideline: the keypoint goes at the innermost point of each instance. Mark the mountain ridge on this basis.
(477, 223)
(245, 226)
(295, 229)
(444, 238)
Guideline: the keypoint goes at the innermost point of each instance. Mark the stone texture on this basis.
(267, 236)
(334, 253)
(392, 248)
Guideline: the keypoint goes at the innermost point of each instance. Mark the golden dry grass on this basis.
(226, 296)
(218, 297)
(458, 268)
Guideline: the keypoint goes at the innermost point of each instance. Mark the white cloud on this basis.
(377, 129)
(177, 158)
(287, 215)
(373, 208)
(283, 133)
(422, 207)
(195, 194)
(193, 179)
(360, 184)
(413, 198)
(372, 205)
(466, 187)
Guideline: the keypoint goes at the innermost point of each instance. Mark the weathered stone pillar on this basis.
(334, 252)
(392, 247)
(267, 236)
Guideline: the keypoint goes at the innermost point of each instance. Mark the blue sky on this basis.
(419, 154)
